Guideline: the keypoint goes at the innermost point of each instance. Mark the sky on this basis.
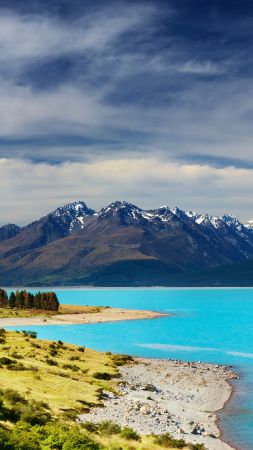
(145, 101)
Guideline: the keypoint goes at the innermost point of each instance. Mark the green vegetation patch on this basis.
(40, 413)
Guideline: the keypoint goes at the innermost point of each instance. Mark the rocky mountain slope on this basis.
(121, 245)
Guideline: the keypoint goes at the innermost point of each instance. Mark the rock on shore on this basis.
(159, 396)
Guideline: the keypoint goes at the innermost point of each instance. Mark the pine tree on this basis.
(12, 300)
(37, 300)
(20, 299)
(3, 299)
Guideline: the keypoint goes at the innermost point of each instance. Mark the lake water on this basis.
(212, 325)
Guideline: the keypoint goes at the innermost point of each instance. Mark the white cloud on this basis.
(157, 124)
(32, 190)
(28, 37)
(201, 68)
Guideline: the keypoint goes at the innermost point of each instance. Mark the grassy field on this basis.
(44, 385)
(64, 309)
(63, 374)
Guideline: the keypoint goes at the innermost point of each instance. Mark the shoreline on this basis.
(119, 288)
(233, 389)
(182, 398)
(105, 315)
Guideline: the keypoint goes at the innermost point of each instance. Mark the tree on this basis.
(3, 298)
(12, 300)
(20, 299)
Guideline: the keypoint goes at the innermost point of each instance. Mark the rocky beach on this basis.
(160, 396)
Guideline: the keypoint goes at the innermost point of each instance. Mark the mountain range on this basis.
(124, 245)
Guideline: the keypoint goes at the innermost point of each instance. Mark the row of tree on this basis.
(27, 300)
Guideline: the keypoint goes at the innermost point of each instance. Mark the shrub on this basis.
(121, 360)
(71, 367)
(35, 345)
(91, 427)
(129, 433)
(16, 355)
(6, 361)
(81, 349)
(32, 334)
(51, 362)
(35, 414)
(102, 376)
(17, 366)
(80, 442)
(167, 441)
(5, 442)
(13, 397)
(108, 428)
(70, 414)
(24, 439)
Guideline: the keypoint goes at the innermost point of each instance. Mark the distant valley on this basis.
(124, 245)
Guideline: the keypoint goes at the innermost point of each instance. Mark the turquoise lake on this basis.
(212, 325)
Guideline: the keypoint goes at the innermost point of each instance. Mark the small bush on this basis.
(6, 361)
(51, 362)
(129, 433)
(79, 442)
(108, 428)
(16, 355)
(5, 442)
(167, 441)
(74, 358)
(35, 414)
(81, 349)
(121, 360)
(12, 397)
(35, 345)
(17, 366)
(32, 334)
(102, 376)
(29, 333)
(91, 427)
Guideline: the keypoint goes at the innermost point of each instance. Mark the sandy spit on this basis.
(105, 315)
(159, 396)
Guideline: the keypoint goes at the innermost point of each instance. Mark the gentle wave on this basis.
(242, 355)
(188, 348)
(175, 348)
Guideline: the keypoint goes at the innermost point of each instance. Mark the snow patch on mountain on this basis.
(72, 215)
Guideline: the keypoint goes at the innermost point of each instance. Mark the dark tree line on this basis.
(27, 300)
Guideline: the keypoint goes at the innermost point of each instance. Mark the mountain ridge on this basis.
(76, 245)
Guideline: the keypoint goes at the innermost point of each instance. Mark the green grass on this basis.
(67, 383)
(6, 313)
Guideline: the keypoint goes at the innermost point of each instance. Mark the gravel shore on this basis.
(159, 396)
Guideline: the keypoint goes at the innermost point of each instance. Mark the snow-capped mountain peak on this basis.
(71, 216)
